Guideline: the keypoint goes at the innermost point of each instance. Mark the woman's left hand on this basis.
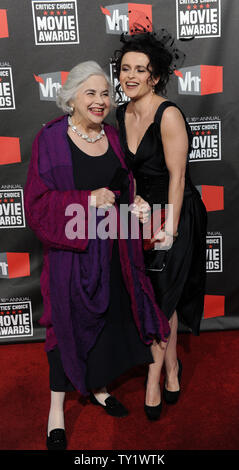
(165, 240)
(141, 209)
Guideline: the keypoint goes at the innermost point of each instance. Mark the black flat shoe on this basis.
(112, 406)
(172, 397)
(153, 412)
(56, 440)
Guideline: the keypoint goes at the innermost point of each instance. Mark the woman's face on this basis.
(135, 77)
(92, 101)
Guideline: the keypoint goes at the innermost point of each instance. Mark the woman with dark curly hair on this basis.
(156, 139)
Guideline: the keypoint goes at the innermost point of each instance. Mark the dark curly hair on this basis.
(159, 48)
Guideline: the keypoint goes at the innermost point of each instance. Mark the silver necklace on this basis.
(85, 136)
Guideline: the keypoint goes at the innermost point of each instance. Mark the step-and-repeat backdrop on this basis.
(40, 41)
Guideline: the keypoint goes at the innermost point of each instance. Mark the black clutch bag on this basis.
(155, 260)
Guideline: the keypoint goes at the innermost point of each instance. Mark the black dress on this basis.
(118, 347)
(179, 280)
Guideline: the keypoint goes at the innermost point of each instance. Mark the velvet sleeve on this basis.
(45, 207)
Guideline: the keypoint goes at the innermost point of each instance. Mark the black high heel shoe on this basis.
(152, 412)
(56, 439)
(112, 406)
(172, 397)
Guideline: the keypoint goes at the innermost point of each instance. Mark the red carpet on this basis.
(206, 417)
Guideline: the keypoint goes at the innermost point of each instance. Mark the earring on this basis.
(71, 109)
(153, 89)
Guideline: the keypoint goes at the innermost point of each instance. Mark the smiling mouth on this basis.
(97, 111)
(131, 84)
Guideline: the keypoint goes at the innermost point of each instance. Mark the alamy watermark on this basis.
(122, 221)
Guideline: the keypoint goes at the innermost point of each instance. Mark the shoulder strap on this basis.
(159, 114)
(120, 112)
(164, 105)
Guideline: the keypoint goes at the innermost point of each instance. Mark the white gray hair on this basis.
(76, 77)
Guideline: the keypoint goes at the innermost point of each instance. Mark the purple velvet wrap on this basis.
(75, 275)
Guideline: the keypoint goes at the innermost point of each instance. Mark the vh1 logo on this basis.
(9, 150)
(200, 80)
(49, 84)
(214, 306)
(212, 197)
(3, 24)
(13, 265)
(127, 18)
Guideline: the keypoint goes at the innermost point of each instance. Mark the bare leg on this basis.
(56, 414)
(153, 395)
(171, 361)
(163, 352)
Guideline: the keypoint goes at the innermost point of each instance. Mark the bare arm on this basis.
(175, 144)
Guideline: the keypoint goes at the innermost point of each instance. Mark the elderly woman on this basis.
(100, 314)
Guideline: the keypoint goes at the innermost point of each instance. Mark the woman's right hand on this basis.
(102, 197)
